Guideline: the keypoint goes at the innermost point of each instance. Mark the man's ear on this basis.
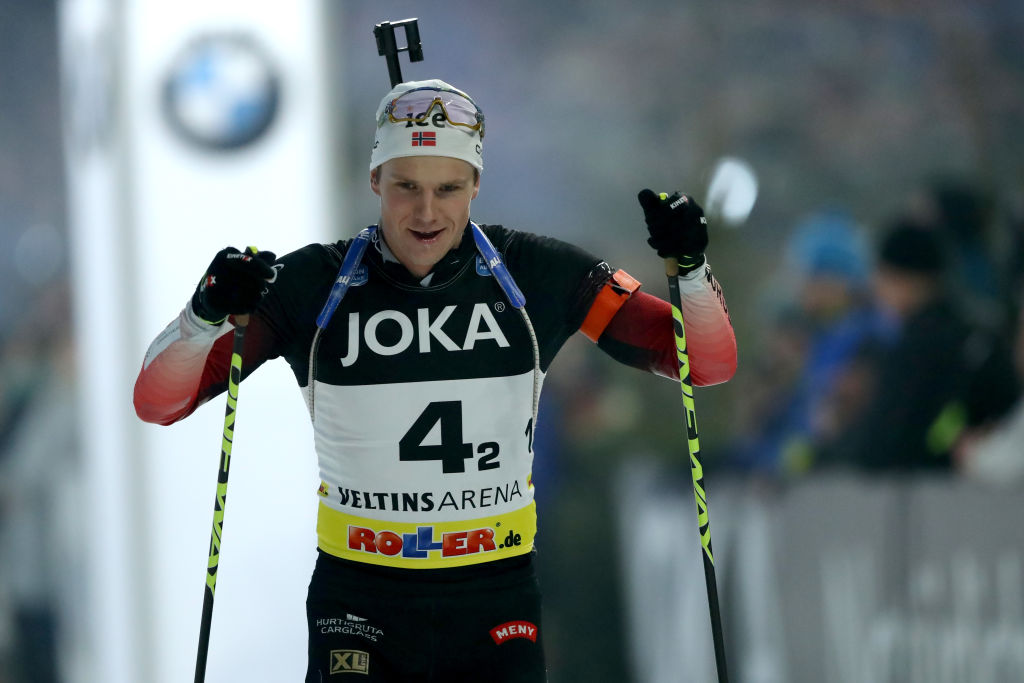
(375, 181)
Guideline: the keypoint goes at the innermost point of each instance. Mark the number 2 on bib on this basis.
(452, 452)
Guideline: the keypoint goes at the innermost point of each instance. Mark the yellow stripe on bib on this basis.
(426, 545)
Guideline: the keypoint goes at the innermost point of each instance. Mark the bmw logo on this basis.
(222, 92)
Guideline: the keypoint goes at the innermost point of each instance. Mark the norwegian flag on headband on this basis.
(424, 139)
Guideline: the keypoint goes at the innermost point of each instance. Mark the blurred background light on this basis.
(732, 191)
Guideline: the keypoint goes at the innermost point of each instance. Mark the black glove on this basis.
(677, 227)
(234, 284)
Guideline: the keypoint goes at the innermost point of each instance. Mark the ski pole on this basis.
(213, 562)
(696, 470)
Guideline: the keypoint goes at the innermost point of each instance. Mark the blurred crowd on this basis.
(899, 348)
(41, 546)
(41, 555)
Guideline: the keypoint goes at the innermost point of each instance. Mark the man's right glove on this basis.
(234, 284)
(677, 227)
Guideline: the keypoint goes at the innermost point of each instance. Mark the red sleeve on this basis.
(640, 334)
(187, 365)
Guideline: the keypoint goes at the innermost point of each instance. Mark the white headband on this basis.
(432, 138)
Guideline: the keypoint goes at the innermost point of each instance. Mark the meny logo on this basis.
(514, 629)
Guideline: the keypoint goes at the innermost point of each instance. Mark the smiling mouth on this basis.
(426, 236)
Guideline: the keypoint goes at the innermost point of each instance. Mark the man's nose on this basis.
(425, 207)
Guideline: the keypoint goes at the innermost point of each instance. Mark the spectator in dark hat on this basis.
(911, 261)
(940, 375)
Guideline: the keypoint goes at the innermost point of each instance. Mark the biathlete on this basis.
(421, 368)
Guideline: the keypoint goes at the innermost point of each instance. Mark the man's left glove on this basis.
(677, 227)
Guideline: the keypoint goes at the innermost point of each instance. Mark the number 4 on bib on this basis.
(452, 452)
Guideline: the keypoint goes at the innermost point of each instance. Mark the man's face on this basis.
(424, 207)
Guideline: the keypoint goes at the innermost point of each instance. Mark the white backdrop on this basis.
(148, 209)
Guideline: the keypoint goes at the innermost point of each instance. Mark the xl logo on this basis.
(481, 327)
(350, 661)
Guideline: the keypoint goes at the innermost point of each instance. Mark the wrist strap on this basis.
(688, 264)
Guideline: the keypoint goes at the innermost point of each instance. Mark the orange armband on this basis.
(607, 303)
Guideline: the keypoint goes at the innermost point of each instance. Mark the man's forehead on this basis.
(455, 170)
